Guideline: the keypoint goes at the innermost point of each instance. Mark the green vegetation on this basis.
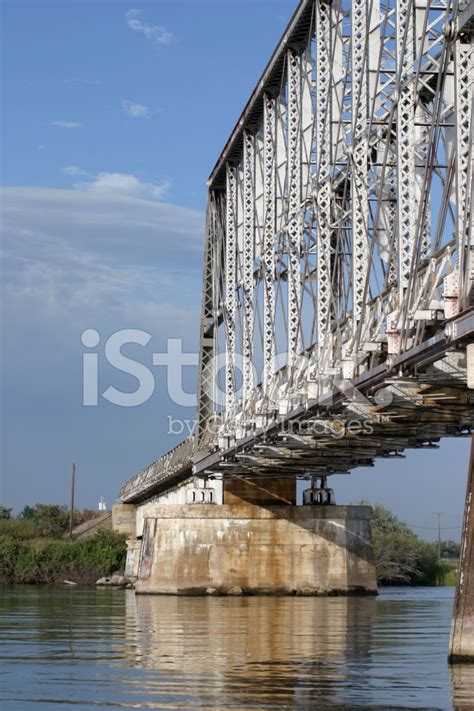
(450, 549)
(52, 561)
(18, 528)
(33, 548)
(49, 520)
(4, 513)
(448, 574)
(402, 558)
(41, 521)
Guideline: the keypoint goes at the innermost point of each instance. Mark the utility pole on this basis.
(71, 514)
(438, 514)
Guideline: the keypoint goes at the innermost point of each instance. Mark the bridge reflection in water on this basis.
(109, 648)
(262, 652)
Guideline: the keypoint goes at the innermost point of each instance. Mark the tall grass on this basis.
(52, 560)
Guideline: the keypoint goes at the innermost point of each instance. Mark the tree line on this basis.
(34, 547)
(402, 558)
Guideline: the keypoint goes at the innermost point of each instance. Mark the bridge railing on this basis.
(173, 466)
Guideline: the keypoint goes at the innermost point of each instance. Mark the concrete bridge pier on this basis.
(255, 541)
(461, 646)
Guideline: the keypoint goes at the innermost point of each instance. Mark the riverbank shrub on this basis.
(19, 528)
(5, 513)
(42, 521)
(448, 572)
(402, 558)
(53, 561)
(49, 520)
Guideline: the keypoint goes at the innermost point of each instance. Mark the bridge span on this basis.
(337, 320)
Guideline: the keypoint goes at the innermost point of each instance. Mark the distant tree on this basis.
(29, 512)
(50, 520)
(386, 522)
(450, 549)
(401, 557)
(5, 513)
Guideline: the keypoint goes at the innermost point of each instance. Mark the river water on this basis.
(81, 648)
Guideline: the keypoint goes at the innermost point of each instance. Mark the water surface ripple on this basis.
(83, 648)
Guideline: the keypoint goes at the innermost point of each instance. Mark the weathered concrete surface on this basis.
(306, 550)
(260, 491)
(123, 518)
(133, 557)
(461, 646)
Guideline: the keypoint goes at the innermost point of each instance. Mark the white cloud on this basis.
(66, 124)
(135, 110)
(73, 170)
(73, 255)
(117, 184)
(155, 33)
(124, 184)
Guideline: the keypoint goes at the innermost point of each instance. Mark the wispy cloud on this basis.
(131, 108)
(97, 252)
(123, 184)
(77, 259)
(66, 124)
(155, 33)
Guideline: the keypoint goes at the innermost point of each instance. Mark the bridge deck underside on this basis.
(420, 399)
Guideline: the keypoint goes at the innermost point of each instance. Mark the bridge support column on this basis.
(246, 549)
(124, 521)
(123, 518)
(461, 646)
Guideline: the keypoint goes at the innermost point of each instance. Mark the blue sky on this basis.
(114, 115)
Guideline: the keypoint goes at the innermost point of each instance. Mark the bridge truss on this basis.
(339, 264)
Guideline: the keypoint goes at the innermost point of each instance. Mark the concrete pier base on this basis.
(249, 549)
(134, 547)
(461, 646)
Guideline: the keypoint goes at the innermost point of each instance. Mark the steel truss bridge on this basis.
(337, 295)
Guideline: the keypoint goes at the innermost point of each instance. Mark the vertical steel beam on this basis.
(230, 286)
(464, 83)
(207, 333)
(307, 122)
(323, 177)
(360, 147)
(422, 135)
(294, 201)
(391, 213)
(248, 259)
(405, 140)
(269, 130)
